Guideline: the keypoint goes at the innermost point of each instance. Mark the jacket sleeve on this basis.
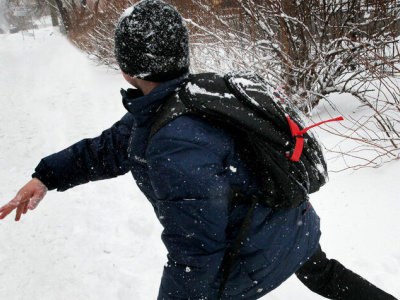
(192, 188)
(103, 157)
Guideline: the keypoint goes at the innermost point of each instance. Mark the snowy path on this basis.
(101, 241)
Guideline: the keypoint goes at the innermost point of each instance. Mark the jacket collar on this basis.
(143, 107)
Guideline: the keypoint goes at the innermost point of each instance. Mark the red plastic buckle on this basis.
(298, 134)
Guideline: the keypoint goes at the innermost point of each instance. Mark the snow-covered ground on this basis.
(102, 241)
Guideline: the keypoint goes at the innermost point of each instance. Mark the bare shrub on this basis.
(93, 29)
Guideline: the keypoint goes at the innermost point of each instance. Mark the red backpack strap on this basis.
(298, 134)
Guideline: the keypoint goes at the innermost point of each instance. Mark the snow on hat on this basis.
(152, 42)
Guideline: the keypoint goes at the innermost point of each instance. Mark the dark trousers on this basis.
(330, 279)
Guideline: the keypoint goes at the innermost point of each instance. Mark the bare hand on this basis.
(28, 197)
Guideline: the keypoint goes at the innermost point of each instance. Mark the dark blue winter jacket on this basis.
(186, 171)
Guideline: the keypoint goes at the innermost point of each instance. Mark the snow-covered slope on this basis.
(101, 241)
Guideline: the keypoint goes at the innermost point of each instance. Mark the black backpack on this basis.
(286, 157)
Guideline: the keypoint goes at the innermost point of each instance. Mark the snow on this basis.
(233, 169)
(102, 241)
(126, 13)
(243, 82)
(194, 89)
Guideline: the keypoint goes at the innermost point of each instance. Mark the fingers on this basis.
(19, 211)
(16, 201)
(9, 207)
(5, 211)
(34, 202)
(19, 202)
(21, 205)
(27, 198)
(25, 210)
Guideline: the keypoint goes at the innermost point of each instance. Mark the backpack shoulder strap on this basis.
(171, 109)
(195, 97)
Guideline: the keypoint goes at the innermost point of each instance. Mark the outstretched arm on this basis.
(103, 157)
(28, 197)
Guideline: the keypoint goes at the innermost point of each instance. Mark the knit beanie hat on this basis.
(152, 42)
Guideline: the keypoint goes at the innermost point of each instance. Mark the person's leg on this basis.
(330, 279)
